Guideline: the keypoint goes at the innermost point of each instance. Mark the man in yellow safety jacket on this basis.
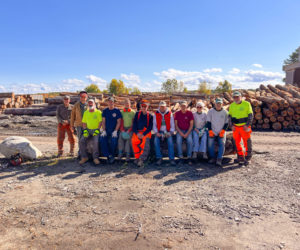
(240, 120)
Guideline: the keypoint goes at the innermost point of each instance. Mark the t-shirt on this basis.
(92, 119)
(218, 119)
(240, 112)
(111, 118)
(128, 118)
(200, 119)
(183, 119)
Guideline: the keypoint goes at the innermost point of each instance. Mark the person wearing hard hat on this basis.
(124, 142)
(163, 127)
(63, 114)
(200, 132)
(110, 127)
(217, 124)
(184, 123)
(142, 126)
(240, 120)
(91, 122)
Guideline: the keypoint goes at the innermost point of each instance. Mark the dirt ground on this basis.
(56, 204)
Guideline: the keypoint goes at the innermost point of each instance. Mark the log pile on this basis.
(275, 107)
(10, 100)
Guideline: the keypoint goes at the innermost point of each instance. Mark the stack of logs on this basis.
(275, 107)
(10, 100)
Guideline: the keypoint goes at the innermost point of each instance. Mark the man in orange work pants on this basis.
(240, 119)
(141, 128)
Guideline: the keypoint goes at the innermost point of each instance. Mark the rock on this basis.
(17, 144)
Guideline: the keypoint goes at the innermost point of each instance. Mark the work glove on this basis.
(168, 134)
(222, 133)
(103, 134)
(96, 132)
(201, 132)
(86, 133)
(211, 133)
(114, 134)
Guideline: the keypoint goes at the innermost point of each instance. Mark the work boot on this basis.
(120, 155)
(71, 154)
(181, 160)
(173, 163)
(247, 160)
(205, 156)
(212, 161)
(59, 154)
(136, 161)
(190, 162)
(83, 160)
(241, 160)
(96, 161)
(111, 160)
(219, 162)
(159, 162)
(194, 155)
(127, 158)
(141, 163)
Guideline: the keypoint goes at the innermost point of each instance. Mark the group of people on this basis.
(123, 132)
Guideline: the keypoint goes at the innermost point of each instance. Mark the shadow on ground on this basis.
(70, 169)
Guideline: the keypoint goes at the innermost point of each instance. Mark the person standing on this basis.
(164, 128)
(63, 114)
(240, 121)
(217, 123)
(91, 122)
(111, 122)
(124, 142)
(76, 117)
(200, 132)
(142, 126)
(184, 122)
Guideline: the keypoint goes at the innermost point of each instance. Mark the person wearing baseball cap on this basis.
(110, 130)
(124, 142)
(63, 115)
(200, 132)
(163, 127)
(91, 121)
(240, 121)
(184, 123)
(76, 117)
(142, 126)
(217, 124)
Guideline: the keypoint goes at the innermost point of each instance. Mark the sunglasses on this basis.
(144, 105)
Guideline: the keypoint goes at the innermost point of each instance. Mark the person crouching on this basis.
(91, 122)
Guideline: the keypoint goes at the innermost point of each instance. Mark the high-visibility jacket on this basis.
(159, 119)
(239, 112)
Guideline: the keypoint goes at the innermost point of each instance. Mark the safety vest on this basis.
(167, 118)
(239, 112)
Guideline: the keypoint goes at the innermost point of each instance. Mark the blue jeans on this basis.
(158, 154)
(200, 145)
(108, 145)
(221, 146)
(189, 143)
